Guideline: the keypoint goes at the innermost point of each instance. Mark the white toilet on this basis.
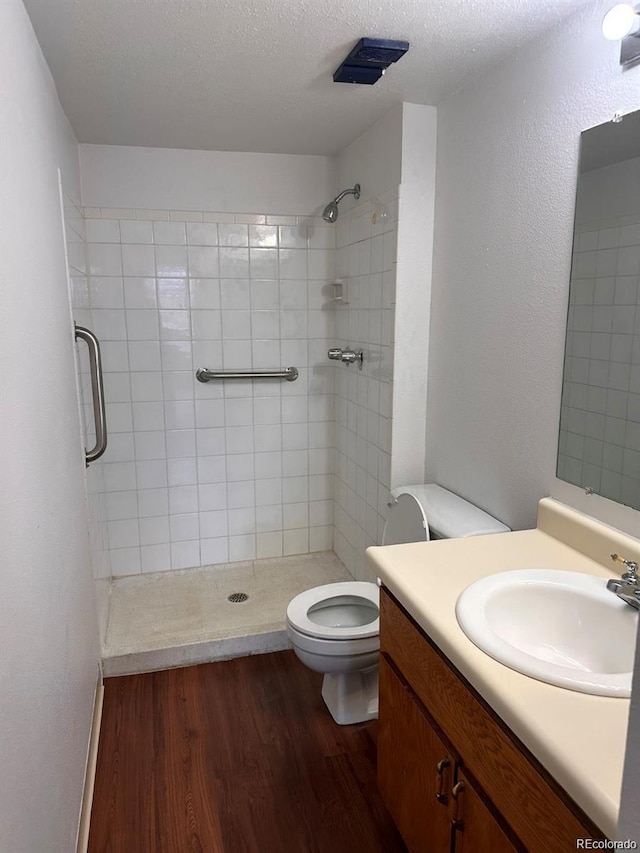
(335, 628)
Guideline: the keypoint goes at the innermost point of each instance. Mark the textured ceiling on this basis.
(257, 75)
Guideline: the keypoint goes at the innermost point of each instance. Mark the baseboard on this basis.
(90, 776)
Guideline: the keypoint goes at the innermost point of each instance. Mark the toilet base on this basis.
(351, 697)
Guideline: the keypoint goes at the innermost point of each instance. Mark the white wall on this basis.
(49, 662)
(506, 175)
(373, 159)
(225, 181)
(413, 292)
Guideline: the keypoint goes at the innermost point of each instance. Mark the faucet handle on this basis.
(632, 567)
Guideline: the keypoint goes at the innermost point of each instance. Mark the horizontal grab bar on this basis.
(205, 375)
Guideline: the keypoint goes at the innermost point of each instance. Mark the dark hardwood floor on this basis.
(234, 757)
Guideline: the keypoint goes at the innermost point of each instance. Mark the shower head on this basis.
(330, 213)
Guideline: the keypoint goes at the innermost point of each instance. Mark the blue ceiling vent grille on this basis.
(369, 59)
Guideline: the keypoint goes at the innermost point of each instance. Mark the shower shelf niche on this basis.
(338, 293)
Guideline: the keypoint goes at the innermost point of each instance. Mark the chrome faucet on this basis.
(347, 356)
(628, 587)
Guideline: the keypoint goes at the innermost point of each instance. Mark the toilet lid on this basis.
(406, 522)
(316, 611)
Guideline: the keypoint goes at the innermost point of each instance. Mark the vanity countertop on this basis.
(579, 738)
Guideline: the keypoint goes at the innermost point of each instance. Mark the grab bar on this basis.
(97, 392)
(203, 374)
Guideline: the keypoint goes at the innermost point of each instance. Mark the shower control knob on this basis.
(349, 356)
(346, 356)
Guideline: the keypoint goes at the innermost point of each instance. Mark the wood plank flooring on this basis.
(239, 756)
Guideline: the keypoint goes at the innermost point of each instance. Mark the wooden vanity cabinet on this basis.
(431, 801)
(453, 776)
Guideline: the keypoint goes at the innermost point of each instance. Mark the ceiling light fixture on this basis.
(622, 22)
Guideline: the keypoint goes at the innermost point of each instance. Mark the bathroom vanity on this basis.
(472, 755)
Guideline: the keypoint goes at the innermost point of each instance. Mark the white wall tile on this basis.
(242, 548)
(150, 445)
(184, 527)
(184, 555)
(179, 414)
(102, 231)
(134, 231)
(233, 235)
(151, 474)
(142, 325)
(204, 293)
(234, 263)
(204, 463)
(181, 443)
(147, 416)
(212, 469)
(140, 292)
(154, 530)
(173, 293)
(171, 261)
(214, 551)
(144, 355)
(212, 496)
(106, 292)
(138, 260)
(109, 324)
(205, 234)
(214, 524)
(155, 558)
(125, 561)
(174, 325)
(295, 542)
(182, 471)
(153, 502)
(169, 233)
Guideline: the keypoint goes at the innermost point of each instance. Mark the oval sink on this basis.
(564, 628)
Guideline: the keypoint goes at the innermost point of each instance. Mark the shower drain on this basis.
(237, 597)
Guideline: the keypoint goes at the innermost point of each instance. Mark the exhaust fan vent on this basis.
(369, 59)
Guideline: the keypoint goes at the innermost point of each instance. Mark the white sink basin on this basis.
(564, 628)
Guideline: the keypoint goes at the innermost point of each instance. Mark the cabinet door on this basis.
(476, 829)
(414, 768)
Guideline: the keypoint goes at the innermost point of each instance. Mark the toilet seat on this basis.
(300, 606)
(338, 647)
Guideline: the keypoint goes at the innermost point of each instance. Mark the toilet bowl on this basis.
(335, 628)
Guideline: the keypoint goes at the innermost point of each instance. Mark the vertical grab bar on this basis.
(97, 392)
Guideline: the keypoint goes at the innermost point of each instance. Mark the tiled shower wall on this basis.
(600, 418)
(366, 263)
(224, 471)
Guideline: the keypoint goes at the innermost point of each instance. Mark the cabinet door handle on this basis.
(441, 766)
(456, 792)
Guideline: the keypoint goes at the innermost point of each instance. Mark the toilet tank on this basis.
(421, 512)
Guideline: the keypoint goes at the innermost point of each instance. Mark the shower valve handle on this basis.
(347, 356)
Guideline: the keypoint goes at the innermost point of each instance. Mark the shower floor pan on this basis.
(178, 618)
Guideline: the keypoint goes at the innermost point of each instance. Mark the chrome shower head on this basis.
(330, 213)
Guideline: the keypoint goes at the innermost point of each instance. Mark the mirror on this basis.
(599, 442)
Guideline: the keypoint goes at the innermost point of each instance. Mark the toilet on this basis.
(335, 628)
